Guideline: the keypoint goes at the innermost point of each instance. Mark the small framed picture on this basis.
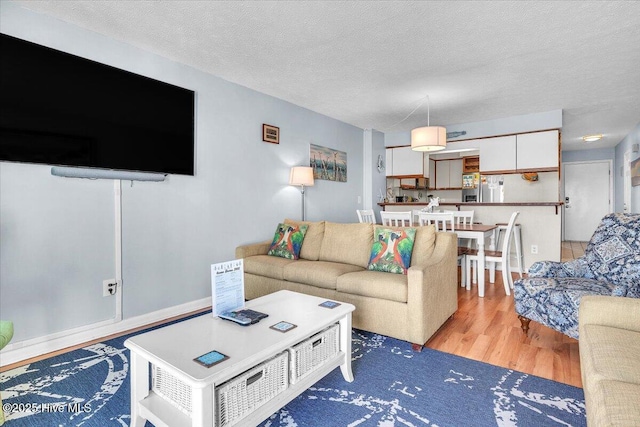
(635, 172)
(283, 326)
(271, 134)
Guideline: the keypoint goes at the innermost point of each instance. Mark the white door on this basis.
(587, 191)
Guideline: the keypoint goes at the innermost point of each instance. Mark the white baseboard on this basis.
(23, 350)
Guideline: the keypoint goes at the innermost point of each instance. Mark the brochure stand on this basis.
(227, 286)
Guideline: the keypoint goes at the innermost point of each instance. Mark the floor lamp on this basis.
(301, 175)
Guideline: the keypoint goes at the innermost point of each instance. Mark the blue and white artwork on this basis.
(328, 164)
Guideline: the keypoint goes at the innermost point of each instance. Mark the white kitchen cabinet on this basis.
(537, 151)
(498, 154)
(388, 163)
(442, 174)
(448, 174)
(432, 173)
(407, 162)
(455, 173)
(425, 165)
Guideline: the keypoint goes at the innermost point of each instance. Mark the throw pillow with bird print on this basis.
(287, 241)
(391, 249)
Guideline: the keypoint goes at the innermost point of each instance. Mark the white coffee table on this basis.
(173, 348)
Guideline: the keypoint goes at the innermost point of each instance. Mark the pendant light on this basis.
(429, 138)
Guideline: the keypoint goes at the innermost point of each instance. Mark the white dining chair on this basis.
(517, 242)
(463, 218)
(494, 257)
(366, 215)
(396, 219)
(416, 216)
(444, 221)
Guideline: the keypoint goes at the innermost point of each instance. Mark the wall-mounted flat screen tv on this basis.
(61, 109)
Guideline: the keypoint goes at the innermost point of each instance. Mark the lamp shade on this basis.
(301, 175)
(429, 138)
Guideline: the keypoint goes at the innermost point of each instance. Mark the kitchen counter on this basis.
(473, 204)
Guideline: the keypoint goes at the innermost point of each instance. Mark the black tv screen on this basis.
(60, 109)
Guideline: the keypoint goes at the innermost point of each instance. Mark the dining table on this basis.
(479, 233)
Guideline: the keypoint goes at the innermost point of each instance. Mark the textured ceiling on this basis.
(370, 63)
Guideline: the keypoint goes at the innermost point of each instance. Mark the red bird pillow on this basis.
(287, 241)
(391, 250)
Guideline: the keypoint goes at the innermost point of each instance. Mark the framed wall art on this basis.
(328, 164)
(635, 172)
(271, 134)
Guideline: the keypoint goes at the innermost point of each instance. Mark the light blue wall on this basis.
(57, 234)
(589, 155)
(379, 178)
(621, 148)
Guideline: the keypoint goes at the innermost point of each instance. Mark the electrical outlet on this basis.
(109, 287)
(534, 249)
(359, 199)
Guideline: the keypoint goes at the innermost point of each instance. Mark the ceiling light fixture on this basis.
(592, 138)
(429, 138)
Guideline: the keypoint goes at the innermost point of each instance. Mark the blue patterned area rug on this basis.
(394, 386)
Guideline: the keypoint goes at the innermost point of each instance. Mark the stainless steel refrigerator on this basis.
(470, 188)
(477, 188)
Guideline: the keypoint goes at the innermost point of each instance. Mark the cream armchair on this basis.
(609, 359)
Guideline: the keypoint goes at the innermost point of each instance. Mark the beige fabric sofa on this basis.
(333, 264)
(610, 359)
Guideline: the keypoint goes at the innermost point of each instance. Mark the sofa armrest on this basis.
(616, 312)
(574, 268)
(433, 288)
(252, 249)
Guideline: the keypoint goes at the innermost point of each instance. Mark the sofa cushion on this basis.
(287, 241)
(312, 240)
(321, 274)
(613, 354)
(347, 243)
(374, 284)
(424, 244)
(266, 265)
(613, 403)
(391, 249)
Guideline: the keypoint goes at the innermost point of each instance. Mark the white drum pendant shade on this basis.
(429, 138)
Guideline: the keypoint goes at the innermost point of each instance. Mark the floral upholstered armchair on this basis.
(551, 292)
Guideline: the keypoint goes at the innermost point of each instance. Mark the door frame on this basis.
(611, 188)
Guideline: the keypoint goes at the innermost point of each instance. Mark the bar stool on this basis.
(517, 235)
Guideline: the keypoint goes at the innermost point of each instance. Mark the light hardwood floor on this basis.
(487, 329)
